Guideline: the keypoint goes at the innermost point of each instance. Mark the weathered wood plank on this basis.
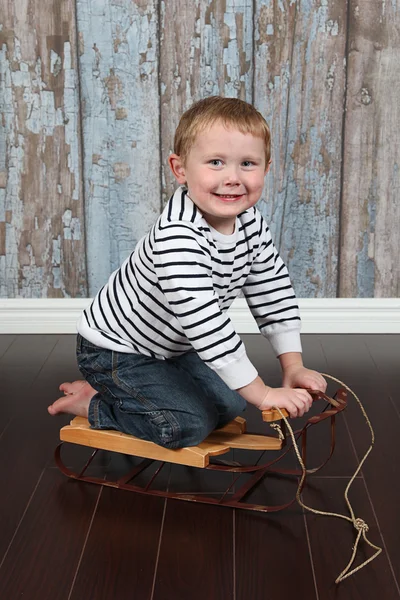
(206, 49)
(41, 207)
(299, 87)
(369, 263)
(120, 106)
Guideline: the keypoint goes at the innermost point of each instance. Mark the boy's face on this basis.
(224, 173)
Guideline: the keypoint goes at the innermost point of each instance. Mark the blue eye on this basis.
(215, 160)
(247, 163)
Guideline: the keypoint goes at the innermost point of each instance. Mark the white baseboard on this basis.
(324, 315)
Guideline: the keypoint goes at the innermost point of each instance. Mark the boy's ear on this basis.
(268, 167)
(177, 168)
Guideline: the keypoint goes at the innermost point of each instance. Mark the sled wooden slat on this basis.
(79, 432)
(238, 425)
(218, 442)
(245, 441)
(80, 422)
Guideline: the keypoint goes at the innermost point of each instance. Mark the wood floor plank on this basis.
(20, 364)
(196, 553)
(272, 558)
(45, 552)
(349, 359)
(6, 340)
(332, 541)
(121, 551)
(192, 480)
(343, 462)
(30, 439)
(385, 352)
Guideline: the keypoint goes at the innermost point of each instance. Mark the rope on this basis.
(360, 525)
(278, 429)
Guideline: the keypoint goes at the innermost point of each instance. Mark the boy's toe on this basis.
(63, 387)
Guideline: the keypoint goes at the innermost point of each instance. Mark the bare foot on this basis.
(76, 399)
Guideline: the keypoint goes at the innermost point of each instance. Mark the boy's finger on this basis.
(301, 404)
(307, 395)
(292, 409)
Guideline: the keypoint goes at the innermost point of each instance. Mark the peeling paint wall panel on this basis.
(299, 87)
(332, 201)
(40, 152)
(370, 243)
(206, 49)
(120, 107)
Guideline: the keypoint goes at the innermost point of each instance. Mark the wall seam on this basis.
(253, 53)
(289, 98)
(81, 144)
(159, 103)
(343, 145)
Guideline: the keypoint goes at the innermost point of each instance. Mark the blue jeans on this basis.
(174, 402)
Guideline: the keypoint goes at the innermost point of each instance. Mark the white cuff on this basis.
(238, 373)
(288, 341)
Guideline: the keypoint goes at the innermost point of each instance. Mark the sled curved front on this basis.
(232, 436)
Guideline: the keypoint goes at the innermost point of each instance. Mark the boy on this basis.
(159, 354)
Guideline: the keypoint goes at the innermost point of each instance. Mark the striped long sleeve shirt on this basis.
(171, 295)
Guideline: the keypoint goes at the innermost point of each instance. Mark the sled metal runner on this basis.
(232, 436)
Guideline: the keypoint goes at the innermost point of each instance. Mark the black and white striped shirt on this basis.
(171, 294)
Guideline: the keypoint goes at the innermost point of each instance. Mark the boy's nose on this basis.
(232, 178)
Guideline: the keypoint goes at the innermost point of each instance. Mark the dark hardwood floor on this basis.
(65, 540)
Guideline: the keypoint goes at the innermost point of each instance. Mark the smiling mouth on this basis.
(229, 196)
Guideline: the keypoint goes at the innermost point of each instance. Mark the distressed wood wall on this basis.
(90, 95)
(42, 229)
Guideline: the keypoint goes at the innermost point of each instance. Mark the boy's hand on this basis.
(297, 376)
(296, 402)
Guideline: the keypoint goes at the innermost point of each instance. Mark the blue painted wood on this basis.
(120, 108)
(42, 250)
(299, 87)
(206, 49)
(370, 218)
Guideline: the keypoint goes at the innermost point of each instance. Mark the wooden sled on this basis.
(219, 442)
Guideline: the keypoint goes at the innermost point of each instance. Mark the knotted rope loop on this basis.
(361, 525)
(278, 429)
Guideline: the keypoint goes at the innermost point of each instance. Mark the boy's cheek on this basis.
(208, 180)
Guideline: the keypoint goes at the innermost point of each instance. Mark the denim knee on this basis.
(185, 441)
(191, 432)
(237, 405)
